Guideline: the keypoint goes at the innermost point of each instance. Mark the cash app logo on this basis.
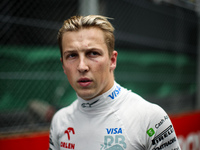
(150, 132)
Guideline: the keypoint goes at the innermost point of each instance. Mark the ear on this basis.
(61, 60)
(62, 64)
(113, 59)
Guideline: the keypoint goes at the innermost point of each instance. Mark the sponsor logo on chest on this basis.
(114, 140)
(114, 130)
(70, 131)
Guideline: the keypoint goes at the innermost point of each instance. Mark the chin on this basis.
(86, 96)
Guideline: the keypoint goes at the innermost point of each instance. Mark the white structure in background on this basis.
(88, 7)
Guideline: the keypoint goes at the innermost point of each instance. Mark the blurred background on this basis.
(157, 42)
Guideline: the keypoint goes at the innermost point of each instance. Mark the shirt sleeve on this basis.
(53, 140)
(160, 133)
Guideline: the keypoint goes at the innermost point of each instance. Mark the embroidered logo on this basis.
(66, 144)
(114, 141)
(150, 132)
(169, 130)
(89, 104)
(114, 130)
(115, 93)
(68, 131)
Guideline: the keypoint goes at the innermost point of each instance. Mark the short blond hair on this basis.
(76, 23)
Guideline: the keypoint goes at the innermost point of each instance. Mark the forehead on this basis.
(83, 37)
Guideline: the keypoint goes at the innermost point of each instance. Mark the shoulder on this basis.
(135, 109)
(61, 119)
(149, 120)
(143, 107)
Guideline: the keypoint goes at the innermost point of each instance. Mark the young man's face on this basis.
(86, 62)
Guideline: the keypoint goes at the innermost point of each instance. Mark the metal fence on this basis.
(157, 45)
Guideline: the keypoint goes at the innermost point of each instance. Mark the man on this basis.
(105, 115)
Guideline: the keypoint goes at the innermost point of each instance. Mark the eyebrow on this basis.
(72, 51)
(69, 51)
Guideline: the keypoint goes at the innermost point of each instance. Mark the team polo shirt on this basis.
(116, 120)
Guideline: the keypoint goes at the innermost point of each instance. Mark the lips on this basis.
(84, 82)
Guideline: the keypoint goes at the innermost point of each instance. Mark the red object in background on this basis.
(186, 123)
(187, 127)
(34, 141)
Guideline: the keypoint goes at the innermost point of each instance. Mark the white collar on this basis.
(101, 102)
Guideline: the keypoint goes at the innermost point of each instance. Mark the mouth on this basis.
(84, 82)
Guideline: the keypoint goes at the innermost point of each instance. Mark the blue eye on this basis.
(72, 55)
(93, 53)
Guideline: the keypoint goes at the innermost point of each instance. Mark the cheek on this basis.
(102, 68)
(68, 70)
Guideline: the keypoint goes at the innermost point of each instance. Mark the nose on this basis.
(82, 66)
